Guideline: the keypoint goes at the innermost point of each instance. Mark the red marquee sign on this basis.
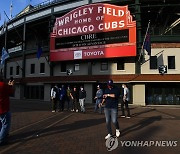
(93, 31)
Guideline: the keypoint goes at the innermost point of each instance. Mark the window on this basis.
(120, 65)
(63, 67)
(11, 70)
(153, 62)
(171, 62)
(163, 93)
(104, 66)
(34, 92)
(32, 68)
(17, 70)
(42, 67)
(76, 67)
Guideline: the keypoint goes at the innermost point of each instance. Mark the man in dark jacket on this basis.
(5, 115)
(62, 96)
(110, 98)
(74, 98)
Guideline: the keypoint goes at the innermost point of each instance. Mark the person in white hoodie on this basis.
(82, 97)
(125, 101)
(54, 98)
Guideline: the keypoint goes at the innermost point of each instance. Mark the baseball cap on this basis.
(110, 82)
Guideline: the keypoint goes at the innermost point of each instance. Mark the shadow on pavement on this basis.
(141, 137)
(143, 123)
(139, 113)
(55, 130)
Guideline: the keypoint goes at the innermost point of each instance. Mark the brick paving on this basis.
(35, 129)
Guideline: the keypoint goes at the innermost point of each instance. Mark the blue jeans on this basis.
(5, 122)
(111, 114)
(81, 102)
(98, 101)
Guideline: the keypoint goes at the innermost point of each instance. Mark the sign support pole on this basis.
(139, 41)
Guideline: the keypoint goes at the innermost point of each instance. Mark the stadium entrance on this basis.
(163, 94)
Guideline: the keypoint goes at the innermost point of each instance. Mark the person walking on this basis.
(98, 98)
(74, 99)
(125, 101)
(110, 98)
(54, 97)
(5, 115)
(82, 97)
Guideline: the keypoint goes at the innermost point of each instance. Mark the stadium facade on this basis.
(87, 42)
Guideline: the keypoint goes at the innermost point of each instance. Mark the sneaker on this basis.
(72, 110)
(108, 136)
(123, 116)
(128, 117)
(118, 133)
(76, 110)
(53, 111)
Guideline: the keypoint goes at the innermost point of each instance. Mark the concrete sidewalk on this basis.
(35, 129)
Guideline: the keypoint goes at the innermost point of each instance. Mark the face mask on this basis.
(109, 86)
(81, 89)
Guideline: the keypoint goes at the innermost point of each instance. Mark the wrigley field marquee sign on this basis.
(93, 31)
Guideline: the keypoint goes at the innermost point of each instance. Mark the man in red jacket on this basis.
(5, 116)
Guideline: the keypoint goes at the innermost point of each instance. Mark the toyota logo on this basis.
(78, 54)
